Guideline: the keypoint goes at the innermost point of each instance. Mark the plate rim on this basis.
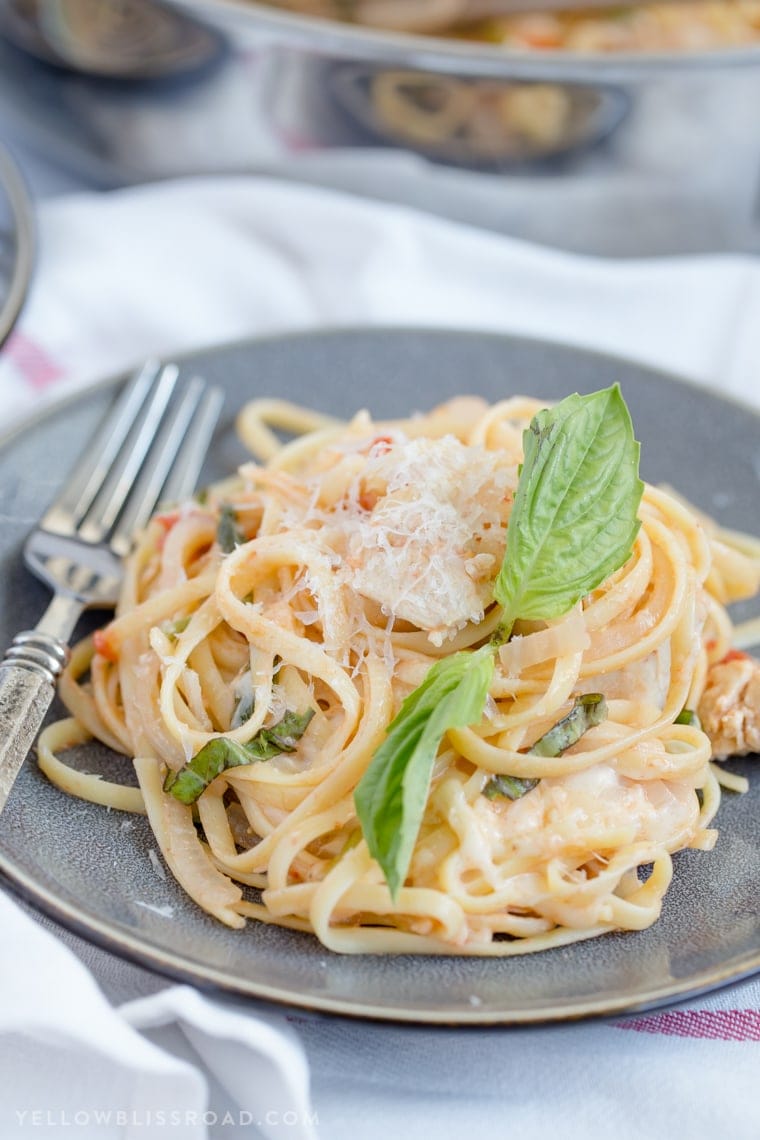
(179, 969)
(176, 966)
(12, 181)
(71, 395)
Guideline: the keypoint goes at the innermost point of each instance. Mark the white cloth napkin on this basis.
(179, 266)
(182, 265)
(70, 1062)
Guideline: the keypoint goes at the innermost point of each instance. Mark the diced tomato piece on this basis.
(104, 645)
(167, 519)
(381, 444)
(542, 39)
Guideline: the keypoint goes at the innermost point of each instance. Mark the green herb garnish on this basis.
(508, 787)
(173, 629)
(187, 784)
(688, 716)
(391, 795)
(573, 523)
(228, 533)
(243, 710)
(589, 709)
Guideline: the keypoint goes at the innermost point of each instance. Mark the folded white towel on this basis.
(70, 1061)
(183, 265)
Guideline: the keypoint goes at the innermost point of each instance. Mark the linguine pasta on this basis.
(293, 608)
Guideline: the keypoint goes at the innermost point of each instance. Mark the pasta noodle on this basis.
(315, 590)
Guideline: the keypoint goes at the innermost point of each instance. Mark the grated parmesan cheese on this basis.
(397, 529)
(425, 536)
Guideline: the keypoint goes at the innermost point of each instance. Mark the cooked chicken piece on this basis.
(730, 706)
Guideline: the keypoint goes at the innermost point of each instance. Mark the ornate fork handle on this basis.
(27, 686)
(29, 673)
(37, 652)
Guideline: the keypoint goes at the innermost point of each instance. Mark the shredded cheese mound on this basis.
(430, 545)
(415, 526)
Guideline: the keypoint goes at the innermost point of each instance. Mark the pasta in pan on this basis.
(285, 645)
(689, 26)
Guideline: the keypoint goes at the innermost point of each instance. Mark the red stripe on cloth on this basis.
(32, 362)
(713, 1025)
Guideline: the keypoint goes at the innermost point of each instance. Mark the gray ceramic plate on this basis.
(16, 243)
(91, 869)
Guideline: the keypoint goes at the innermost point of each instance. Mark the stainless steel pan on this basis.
(623, 154)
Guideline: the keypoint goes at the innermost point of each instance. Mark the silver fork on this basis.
(150, 448)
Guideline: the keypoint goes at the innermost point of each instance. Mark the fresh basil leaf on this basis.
(189, 782)
(573, 521)
(391, 795)
(228, 533)
(246, 700)
(221, 753)
(243, 711)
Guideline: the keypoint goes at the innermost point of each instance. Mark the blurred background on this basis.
(614, 131)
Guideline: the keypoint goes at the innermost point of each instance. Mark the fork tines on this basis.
(149, 449)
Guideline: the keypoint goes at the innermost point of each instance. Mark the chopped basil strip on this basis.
(243, 710)
(220, 754)
(228, 533)
(173, 629)
(511, 787)
(688, 716)
(588, 710)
